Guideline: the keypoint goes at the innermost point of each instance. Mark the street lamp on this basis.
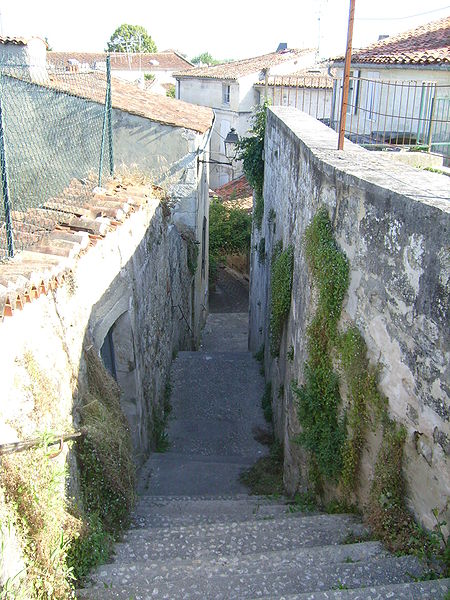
(230, 143)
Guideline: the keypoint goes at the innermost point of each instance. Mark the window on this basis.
(226, 93)
(373, 95)
(353, 92)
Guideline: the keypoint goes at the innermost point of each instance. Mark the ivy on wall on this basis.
(281, 289)
(318, 399)
(250, 151)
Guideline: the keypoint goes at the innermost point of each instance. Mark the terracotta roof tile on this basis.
(428, 44)
(240, 68)
(127, 97)
(47, 262)
(236, 193)
(303, 79)
(157, 61)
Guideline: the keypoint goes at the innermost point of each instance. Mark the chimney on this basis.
(282, 47)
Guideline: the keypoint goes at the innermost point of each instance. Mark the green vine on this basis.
(281, 290)
(364, 397)
(318, 399)
(229, 233)
(250, 151)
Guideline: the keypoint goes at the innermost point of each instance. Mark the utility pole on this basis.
(348, 57)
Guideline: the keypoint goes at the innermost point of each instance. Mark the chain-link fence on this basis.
(55, 147)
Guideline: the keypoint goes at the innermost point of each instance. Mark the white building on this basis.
(309, 90)
(153, 70)
(24, 56)
(229, 89)
(400, 88)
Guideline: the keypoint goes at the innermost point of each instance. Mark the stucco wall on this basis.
(392, 223)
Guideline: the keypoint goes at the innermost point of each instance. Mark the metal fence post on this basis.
(4, 180)
(110, 132)
(105, 120)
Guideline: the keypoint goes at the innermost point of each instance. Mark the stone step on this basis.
(280, 533)
(300, 558)
(158, 514)
(225, 332)
(227, 585)
(216, 404)
(175, 473)
(419, 590)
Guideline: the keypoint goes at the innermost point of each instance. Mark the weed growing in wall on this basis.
(318, 399)
(365, 401)
(266, 403)
(107, 470)
(250, 151)
(282, 269)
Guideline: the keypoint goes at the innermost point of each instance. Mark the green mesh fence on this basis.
(55, 147)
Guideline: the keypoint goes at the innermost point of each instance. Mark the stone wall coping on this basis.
(358, 167)
(80, 217)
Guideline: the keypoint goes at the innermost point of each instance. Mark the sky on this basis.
(233, 29)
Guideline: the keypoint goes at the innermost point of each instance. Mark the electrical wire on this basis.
(428, 12)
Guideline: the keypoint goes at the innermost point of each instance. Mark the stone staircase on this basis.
(197, 534)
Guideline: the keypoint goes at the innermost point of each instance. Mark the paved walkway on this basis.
(230, 294)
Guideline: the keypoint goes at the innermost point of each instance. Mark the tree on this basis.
(131, 38)
(205, 58)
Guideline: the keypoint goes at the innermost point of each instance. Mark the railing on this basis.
(380, 113)
(55, 130)
(50, 440)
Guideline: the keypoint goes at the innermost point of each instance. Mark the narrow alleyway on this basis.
(197, 534)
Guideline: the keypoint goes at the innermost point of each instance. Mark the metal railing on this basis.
(55, 130)
(379, 113)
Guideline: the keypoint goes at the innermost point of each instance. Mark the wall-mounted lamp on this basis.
(231, 148)
(230, 143)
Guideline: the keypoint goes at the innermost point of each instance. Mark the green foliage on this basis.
(266, 403)
(192, 254)
(90, 549)
(131, 38)
(259, 355)
(149, 77)
(281, 288)
(265, 477)
(364, 398)
(170, 91)
(205, 58)
(250, 151)
(318, 400)
(262, 251)
(303, 502)
(229, 232)
(290, 354)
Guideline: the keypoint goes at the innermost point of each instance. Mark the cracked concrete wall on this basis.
(392, 222)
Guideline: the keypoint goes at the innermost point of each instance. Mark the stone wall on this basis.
(392, 222)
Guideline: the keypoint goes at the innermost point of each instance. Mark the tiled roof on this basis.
(236, 193)
(304, 79)
(129, 98)
(157, 61)
(46, 265)
(18, 41)
(240, 68)
(425, 45)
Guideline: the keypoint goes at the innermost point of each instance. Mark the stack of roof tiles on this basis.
(78, 226)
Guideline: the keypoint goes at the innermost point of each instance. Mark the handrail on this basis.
(34, 442)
